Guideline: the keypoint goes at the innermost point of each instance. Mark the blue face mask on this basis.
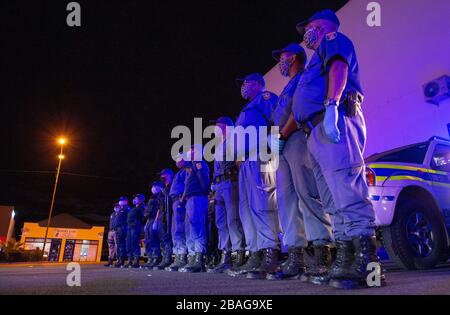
(311, 37)
(284, 66)
(248, 90)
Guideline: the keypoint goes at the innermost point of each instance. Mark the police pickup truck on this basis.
(410, 191)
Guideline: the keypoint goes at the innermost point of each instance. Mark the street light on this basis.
(61, 141)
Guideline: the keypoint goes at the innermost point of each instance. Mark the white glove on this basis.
(330, 124)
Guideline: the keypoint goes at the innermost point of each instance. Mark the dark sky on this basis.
(117, 85)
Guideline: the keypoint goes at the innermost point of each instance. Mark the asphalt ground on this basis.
(50, 278)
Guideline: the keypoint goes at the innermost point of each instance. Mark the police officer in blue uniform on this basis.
(178, 220)
(195, 197)
(135, 219)
(163, 222)
(302, 216)
(226, 203)
(119, 225)
(152, 246)
(257, 204)
(327, 107)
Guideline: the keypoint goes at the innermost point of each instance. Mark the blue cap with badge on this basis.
(292, 48)
(252, 77)
(327, 14)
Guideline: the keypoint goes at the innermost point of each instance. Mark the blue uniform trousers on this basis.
(133, 242)
(151, 240)
(257, 206)
(302, 216)
(228, 223)
(196, 213)
(178, 228)
(340, 175)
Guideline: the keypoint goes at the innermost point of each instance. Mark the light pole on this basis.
(61, 141)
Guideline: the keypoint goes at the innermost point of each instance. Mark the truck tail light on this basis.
(370, 177)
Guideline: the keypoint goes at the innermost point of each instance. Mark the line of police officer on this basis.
(317, 196)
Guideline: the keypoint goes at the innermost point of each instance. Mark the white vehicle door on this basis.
(440, 176)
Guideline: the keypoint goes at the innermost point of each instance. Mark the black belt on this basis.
(231, 175)
(312, 122)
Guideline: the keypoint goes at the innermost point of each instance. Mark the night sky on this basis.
(117, 85)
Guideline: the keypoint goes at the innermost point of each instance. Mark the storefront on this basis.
(68, 239)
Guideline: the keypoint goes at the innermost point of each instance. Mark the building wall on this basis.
(411, 48)
(5, 222)
(34, 230)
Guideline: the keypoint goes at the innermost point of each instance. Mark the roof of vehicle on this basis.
(375, 157)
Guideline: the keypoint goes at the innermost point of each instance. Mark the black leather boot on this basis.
(357, 276)
(224, 264)
(119, 263)
(136, 264)
(345, 256)
(318, 272)
(109, 263)
(240, 259)
(294, 266)
(180, 261)
(129, 263)
(190, 263)
(165, 262)
(253, 262)
(197, 265)
(268, 267)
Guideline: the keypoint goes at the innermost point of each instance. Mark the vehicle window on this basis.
(414, 154)
(441, 158)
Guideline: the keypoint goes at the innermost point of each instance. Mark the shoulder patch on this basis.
(267, 95)
(331, 36)
(199, 165)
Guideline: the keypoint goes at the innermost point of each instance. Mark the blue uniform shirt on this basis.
(222, 166)
(313, 84)
(136, 216)
(119, 219)
(177, 188)
(257, 112)
(197, 179)
(283, 109)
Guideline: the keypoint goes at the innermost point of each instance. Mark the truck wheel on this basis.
(416, 239)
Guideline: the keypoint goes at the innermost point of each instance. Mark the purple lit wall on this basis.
(409, 49)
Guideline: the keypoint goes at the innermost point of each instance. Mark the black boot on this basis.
(239, 260)
(224, 264)
(197, 265)
(268, 267)
(294, 266)
(109, 264)
(119, 263)
(190, 263)
(136, 264)
(318, 272)
(253, 262)
(179, 262)
(345, 256)
(151, 262)
(129, 263)
(165, 262)
(357, 276)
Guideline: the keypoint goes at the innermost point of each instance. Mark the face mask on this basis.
(284, 67)
(311, 37)
(122, 203)
(156, 190)
(247, 90)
